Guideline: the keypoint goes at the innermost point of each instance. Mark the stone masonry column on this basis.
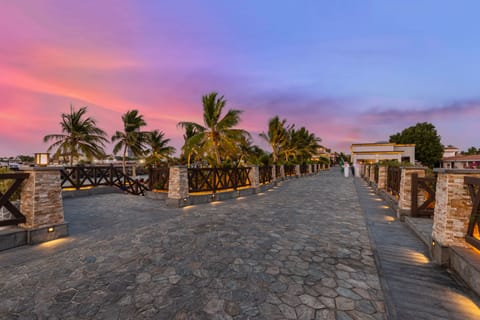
(371, 176)
(310, 170)
(382, 177)
(452, 211)
(42, 204)
(178, 187)
(274, 173)
(405, 199)
(297, 170)
(282, 171)
(254, 176)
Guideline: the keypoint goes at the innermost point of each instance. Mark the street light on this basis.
(42, 159)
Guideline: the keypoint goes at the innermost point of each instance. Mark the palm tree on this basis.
(159, 148)
(303, 144)
(276, 136)
(131, 138)
(217, 136)
(80, 136)
(189, 150)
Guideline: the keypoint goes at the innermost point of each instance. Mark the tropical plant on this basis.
(302, 144)
(131, 138)
(80, 136)
(159, 148)
(276, 136)
(217, 137)
(189, 151)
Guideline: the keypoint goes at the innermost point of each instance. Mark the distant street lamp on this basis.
(42, 159)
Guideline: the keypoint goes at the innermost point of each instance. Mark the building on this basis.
(450, 151)
(462, 162)
(375, 152)
(322, 152)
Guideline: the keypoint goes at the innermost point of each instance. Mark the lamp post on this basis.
(42, 159)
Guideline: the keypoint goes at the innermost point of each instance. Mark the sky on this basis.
(350, 71)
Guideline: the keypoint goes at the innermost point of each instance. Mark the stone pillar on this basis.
(254, 176)
(297, 170)
(382, 178)
(310, 170)
(371, 176)
(178, 187)
(405, 198)
(42, 205)
(453, 208)
(282, 171)
(274, 173)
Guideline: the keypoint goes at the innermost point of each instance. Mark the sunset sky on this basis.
(350, 71)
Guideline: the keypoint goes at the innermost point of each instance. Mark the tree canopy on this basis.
(471, 151)
(217, 139)
(428, 148)
(80, 136)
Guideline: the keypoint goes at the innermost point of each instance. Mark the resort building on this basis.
(462, 162)
(450, 151)
(375, 152)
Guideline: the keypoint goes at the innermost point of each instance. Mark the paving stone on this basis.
(343, 303)
(287, 254)
(304, 312)
(287, 311)
(312, 302)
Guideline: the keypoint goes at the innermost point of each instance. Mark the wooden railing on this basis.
(13, 188)
(215, 179)
(158, 178)
(423, 195)
(265, 174)
(303, 169)
(290, 170)
(473, 232)
(92, 176)
(393, 180)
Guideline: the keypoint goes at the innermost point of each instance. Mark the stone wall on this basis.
(371, 177)
(453, 207)
(405, 199)
(382, 178)
(254, 176)
(41, 198)
(178, 182)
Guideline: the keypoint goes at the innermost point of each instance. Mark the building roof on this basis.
(383, 144)
(471, 157)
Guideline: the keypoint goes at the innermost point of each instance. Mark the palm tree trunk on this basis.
(123, 160)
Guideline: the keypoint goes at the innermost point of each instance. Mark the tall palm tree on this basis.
(217, 136)
(131, 138)
(276, 136)
(159, 148)
(80, 136)
(189, 150)
(303, 144)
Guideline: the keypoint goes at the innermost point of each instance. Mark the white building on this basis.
(363, 153)
(450, 151)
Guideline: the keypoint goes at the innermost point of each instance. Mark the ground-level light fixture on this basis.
(51, 229)
(42, 159)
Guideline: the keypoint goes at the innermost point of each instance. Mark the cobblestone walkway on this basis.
(299, 251)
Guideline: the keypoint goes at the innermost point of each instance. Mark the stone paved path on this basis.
(415, 287)
(299, 251)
